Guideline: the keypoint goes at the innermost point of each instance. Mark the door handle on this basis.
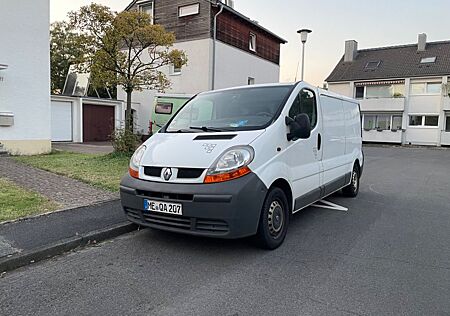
(319, 141)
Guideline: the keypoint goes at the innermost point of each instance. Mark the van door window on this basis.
(305, 103)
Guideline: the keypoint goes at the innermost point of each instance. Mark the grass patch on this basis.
(16, 202)
(102, 171)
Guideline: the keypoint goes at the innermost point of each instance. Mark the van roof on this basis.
(253, 86)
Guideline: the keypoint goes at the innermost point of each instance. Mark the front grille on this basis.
(166, 196)
(180, 223)
(183, 173)
(189, 173)
(153, 171)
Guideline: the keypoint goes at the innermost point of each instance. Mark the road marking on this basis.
(330, 206)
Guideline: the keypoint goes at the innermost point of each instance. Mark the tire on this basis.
(274, 220)
(353, 188)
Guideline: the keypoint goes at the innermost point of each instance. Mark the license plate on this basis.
(163, 207)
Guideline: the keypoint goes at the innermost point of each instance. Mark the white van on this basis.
(238, 162)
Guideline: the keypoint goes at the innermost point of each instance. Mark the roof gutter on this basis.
(213, 75)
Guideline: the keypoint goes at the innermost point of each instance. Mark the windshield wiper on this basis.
(208, 129)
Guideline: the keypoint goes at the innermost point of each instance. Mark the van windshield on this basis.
(230, 110)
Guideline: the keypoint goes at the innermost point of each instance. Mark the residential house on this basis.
(224, 49)
(402, 90)
(25, 77)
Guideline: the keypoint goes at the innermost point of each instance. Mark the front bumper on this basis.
(224, 210)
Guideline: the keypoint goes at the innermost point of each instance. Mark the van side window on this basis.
(305, 103)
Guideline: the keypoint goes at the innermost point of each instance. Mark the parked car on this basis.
(166, 105)
(238, 162)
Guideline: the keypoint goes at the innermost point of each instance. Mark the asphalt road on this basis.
(388, 255)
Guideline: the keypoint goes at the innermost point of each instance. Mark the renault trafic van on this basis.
(238, 162)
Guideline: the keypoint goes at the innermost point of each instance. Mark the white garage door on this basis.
(61, 121)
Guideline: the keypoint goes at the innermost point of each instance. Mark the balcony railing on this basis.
(383, 105)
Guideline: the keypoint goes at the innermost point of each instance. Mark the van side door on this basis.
(334, 141)
(304, 155)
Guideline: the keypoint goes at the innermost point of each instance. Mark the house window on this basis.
(428, 60)
(424, 120)
(250, 81)
(434, 88)
(187, 10)
(447, 123)
(431, 120)
(397, 122)
(252, 42)
(147, 7)
(164, 108)
(369, 122)
(426, 88)
(359, 92)
(415, 120)
(174, 70)
(372, 65)
(382, 122)
(385, 91)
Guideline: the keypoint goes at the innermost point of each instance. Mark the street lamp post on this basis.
(303, 36)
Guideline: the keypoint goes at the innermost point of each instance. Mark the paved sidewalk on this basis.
(85, 148)
(30, 240)
(67, 192)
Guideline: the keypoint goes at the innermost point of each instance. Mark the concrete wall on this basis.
(422, 135)
(383, 105)
(234, 66)
(425, 104)
(25, 87)
(445, 138)
(383, 136)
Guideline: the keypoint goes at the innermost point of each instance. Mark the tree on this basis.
(126, 50)
(66, 48)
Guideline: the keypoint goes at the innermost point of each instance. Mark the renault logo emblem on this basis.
(167, 174)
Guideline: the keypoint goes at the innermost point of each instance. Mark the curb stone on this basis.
(46, 252)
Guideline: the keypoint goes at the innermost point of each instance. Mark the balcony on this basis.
(383, 105)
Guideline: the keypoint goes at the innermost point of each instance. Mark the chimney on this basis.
(351, 49)
(422, 42)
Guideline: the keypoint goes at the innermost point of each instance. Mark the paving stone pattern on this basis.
(65, 191)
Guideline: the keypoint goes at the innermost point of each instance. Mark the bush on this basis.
(124, 141)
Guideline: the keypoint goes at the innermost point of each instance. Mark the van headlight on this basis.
(135, 161)
(232, 164)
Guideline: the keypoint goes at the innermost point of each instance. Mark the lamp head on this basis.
(304, 34)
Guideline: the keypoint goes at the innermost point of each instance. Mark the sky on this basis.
(371, 23)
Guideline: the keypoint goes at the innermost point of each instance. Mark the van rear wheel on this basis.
(353, 188)
(274, 220)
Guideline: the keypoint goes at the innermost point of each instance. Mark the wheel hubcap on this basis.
(276, 218)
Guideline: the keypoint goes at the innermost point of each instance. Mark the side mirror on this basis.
(300, 127)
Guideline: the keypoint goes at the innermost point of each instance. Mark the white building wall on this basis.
(195, 77)
(341, 88)
(426, 104)
(25, 87)
(423, 135)
(234, 67)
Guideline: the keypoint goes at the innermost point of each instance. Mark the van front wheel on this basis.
(274, 220)
(353, 188)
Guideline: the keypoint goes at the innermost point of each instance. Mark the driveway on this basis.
(388, 255)
(85, 148)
